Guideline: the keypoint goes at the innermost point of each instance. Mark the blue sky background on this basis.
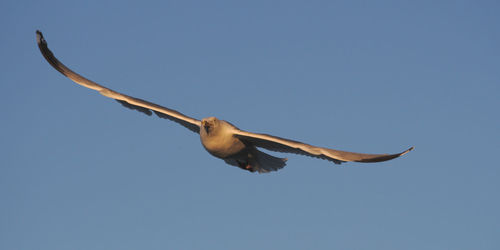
(78, 171)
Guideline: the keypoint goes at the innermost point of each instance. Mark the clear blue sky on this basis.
(79, 171)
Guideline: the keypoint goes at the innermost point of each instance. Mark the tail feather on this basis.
(264, 163)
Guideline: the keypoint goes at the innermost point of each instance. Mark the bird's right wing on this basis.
(278, 144)
(127, 101)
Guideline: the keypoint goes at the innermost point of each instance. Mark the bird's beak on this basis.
(205, 125)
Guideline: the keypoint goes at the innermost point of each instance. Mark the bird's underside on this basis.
(219, 137)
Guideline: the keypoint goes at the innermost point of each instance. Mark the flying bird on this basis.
(220, 138)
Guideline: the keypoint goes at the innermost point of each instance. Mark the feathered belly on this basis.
(223, 147)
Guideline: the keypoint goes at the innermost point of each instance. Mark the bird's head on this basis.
(209, 124)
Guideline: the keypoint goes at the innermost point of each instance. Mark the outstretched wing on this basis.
(278, 144)
(127, 101)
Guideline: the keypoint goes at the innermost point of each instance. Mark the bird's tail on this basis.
(264, 163)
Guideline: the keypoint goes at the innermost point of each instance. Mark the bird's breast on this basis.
(222, 145)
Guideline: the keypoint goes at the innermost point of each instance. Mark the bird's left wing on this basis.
(278, 144)
(127, 101)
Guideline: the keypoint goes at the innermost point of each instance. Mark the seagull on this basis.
(220, 138)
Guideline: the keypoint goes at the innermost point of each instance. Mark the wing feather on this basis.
(128, 101)
(279, 144)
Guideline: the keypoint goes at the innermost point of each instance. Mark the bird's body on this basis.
(217, 138)
(220, 138)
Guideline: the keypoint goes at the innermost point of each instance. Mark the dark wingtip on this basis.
(385, 157)
(406, 151)
(39, 37)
